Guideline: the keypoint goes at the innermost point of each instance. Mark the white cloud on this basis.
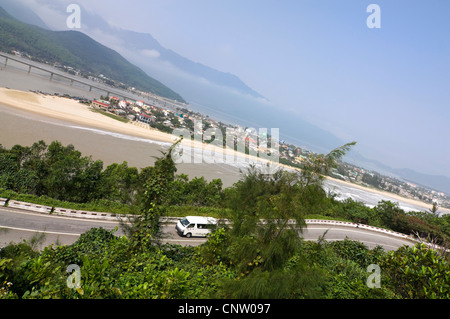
(154, 54)
(53, 13)
(107, 39)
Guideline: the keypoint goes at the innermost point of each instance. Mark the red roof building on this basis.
(96, 103)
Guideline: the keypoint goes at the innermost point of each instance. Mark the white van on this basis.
(195, 226)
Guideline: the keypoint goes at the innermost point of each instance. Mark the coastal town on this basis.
(166, 115)
(167, 119)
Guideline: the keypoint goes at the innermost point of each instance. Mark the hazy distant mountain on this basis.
(147, 46)
(75, 49)
(144, 50)
(436, 182)
(139, 48)
(218, 94)
(22, 13)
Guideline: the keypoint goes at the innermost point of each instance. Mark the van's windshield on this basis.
(184, 222)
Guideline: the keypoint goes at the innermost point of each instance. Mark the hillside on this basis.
(75, 49)
(141, 43)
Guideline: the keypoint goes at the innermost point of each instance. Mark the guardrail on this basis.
(28, 206)
(57, 211)
(362, 226)
(87, 214)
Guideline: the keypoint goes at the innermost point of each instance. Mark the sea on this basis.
(20, 127)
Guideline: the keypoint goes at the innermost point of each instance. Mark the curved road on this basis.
(17, 225)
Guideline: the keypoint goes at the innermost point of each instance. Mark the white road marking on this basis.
(60, 217)
(39, 231)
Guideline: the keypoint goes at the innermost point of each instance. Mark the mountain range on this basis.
(141, 49)
(215, 92)
(144, 50)
(438, 183)
(77, 50)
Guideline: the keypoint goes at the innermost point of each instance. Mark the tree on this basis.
(67, 175)
(21, 168)
(195, 192)
(145, 227)
(434, 209)
(118, 182)
(319, 165)
(267, 215)
(158, 178)
(387, 213)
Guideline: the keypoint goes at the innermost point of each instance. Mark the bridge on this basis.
(52, 73)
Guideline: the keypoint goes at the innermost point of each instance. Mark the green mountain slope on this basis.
(75, 49)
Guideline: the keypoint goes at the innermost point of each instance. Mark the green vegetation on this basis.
(246, 259)
(75, 49)
(59, 176)
(108, 114)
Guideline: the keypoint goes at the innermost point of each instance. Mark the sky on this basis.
(387, 88)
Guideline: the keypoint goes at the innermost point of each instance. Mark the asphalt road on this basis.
(17, 225)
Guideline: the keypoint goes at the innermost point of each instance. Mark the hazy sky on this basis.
(387, 88)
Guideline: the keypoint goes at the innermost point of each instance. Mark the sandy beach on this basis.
(73, 111)
(27, 117)
(63, 112)
(393, 197)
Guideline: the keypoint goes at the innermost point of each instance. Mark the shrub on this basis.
(417, 273)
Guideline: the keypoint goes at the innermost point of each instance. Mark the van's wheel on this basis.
(188, 235)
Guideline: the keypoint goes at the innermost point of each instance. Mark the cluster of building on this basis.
(167, 119)
(178, 116)
(364, 177)
(155, 116)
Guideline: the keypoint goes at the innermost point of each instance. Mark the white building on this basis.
(144, 118)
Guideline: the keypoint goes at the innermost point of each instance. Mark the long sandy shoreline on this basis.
(75, 112)
(72, 111)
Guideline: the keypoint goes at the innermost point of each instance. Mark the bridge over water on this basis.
(11, 62)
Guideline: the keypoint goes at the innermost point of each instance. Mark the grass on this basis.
(323, 217)
(183, 211)
(108, 114)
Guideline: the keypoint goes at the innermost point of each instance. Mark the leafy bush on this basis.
(417, 272)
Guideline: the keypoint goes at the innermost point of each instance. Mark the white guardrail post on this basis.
(87, 214)
(28, 206)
